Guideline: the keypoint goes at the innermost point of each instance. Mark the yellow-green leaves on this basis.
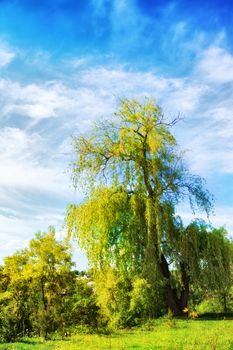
(133, 154)
(135, 142)
(133, 170)
(97, 221)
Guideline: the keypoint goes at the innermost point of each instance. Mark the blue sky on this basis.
(62, 66)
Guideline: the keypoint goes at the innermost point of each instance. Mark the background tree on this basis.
(40, 292)
(50, 266)
(134, 174)
(14, 297)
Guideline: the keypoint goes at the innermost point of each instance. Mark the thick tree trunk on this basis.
(171, 294)
(175, 304)
(172, 300)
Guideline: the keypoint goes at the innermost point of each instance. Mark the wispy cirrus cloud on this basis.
(20, 154)
(36, 101)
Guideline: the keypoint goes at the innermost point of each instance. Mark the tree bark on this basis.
(171, 294)
(185, 292)
(177, 305)
(225, 309)
(43, 294)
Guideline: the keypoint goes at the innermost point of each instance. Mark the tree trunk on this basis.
(225, 309)
(185, 292)
(175, 304)
(150, 268)
(155, 262)
(172, 300)
(43, 295)
(171, 294)
(184, 298)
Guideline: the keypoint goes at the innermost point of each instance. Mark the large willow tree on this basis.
(134, 176)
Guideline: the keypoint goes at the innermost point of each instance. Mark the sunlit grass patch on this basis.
(182, 335)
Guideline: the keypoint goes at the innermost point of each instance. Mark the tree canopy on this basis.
(134, 175)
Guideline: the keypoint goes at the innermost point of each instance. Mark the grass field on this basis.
(164, 335)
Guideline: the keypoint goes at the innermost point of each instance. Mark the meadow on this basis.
(160, 334)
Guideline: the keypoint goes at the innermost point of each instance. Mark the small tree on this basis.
(50, 266)
(39, 281)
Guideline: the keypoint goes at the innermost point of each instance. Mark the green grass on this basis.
(164, 335)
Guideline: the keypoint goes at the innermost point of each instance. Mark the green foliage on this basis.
(217, 303)
(40, 294)
(109, 229)
(142, 299)
(81, 307)
(206, 253)
(10, 325)
(210, 305)
(113, 297)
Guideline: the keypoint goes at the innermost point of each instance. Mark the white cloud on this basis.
(34, 101)
(216, 65)
(78, 62)
(21, 167)
(16, 231)
(52, 100)
(222, 217)
(6, 55)
(10, 246)
(176, 95)
(14, 244)
(118, 80)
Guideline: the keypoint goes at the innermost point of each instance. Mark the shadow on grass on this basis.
(30, 341)
(211, 316)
